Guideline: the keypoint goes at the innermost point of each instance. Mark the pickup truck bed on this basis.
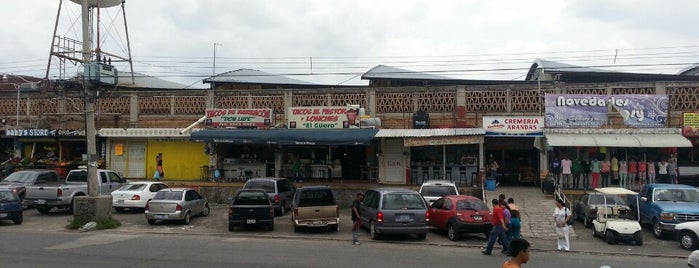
(251, 207)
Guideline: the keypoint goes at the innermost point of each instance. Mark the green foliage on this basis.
(104, 223)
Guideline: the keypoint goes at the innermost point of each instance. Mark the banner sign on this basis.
(690, 124)
(222, 118)
(42, 132)
(514, 126)
(591, 111)
(323, 117)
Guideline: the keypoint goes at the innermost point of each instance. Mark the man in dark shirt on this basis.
(499, 229)
(356, 218)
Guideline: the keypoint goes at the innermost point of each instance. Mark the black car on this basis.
(251, 207)
(10, 206)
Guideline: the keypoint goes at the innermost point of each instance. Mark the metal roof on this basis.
(250, 76)
(388, 72)
(146, 81)
(430, 132)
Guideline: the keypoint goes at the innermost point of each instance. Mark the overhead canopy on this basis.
(618, 140)
(286, 136)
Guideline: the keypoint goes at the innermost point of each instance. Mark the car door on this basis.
(115, 181)
(190, 202)
(369, 206)
(438, 213)
(105, 186)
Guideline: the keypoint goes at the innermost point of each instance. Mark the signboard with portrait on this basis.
(514, 126)
(322, 117)
(591, 111)
(690, 124)
(222, 118)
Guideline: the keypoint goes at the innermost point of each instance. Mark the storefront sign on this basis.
(690, 124)
(591, 111)
(119, 149)
(221, 118)
(323, 117)
(42, 132)
(442, 140)
(514, 126)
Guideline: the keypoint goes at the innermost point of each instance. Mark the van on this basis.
(394, 211)
(280, 191)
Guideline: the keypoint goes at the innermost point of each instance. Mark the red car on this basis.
(458, 214)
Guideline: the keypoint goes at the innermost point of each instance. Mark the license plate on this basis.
(403, 217)
(251, 221)
(3, 215)
(40, 202)
(160, 217)
(478, 218)
(120, 202)
(317, 223)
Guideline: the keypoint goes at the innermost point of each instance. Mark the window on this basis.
(438, 204)
(251, 198)
(371, 199)
(7, 196)
(266, 185)
(447, 204)
(103, 177)
(438, 190)
(403, 201)
(316, 198)
(168, 195)
(113, 177)
(471, 205)
(133, 187)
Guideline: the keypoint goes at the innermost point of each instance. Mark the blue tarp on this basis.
(286, 136)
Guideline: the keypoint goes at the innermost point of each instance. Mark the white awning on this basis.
(618, 140)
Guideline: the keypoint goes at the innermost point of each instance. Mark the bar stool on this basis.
(436, 172)
(425, 173)
(462, 175)
(413, 174)
(447, 173)
(474, 176)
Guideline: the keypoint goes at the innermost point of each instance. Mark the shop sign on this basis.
(514, 126)
(222, 118)
(317, 117)
(690, 124)
(441, 140)
(43, 132)
(591, 111)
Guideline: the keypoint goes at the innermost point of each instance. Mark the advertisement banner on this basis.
(690, 124)
(222, 118)
(323, 117)
(591, 111)
(514, 126)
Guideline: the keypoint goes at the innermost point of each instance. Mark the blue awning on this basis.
(286, 136)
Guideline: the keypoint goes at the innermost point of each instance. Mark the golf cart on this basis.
(616, 221)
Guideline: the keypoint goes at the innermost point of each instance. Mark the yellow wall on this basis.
(182, 160)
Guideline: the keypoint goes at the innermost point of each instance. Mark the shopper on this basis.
(561, 215)
(498, 229)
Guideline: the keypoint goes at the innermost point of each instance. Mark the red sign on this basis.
(220, 118)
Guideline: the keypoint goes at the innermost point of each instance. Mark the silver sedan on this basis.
(176, 204)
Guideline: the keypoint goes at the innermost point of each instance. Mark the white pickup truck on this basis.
(45, 196)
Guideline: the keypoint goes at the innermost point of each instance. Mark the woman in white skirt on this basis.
(561, 215)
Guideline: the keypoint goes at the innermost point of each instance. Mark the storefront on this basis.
(417, 155)
(132, 153)
(509, 141)
(59, 149)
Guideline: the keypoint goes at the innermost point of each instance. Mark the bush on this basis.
(104, 223)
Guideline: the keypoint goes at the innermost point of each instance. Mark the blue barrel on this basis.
(490, 184)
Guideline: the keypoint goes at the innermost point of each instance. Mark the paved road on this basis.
(537, 227)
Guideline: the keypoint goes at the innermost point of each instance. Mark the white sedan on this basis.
(135, 194)
(686, 233)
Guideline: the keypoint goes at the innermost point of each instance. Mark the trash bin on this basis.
(490, 184)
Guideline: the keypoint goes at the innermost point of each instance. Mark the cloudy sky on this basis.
(334, 42)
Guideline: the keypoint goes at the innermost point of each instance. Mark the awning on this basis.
(618, 140)
(286, 136)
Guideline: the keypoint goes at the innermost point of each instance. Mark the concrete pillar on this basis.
(93, 207)
(370, 108)
(133, 110)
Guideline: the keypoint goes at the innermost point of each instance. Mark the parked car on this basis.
(666, 205)
(280, 191)
(458, 214)
(434, 189)
(46, 195)
(20, 180)
(251, 207)
(10, 206)
(176, 204)
(688, 235)
(394, 211)
(585, 206)
(315, 207)
(135, 195)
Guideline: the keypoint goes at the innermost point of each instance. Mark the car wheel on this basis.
(657, 229)
(372, 231)
(231, 227)
(610, 236)
(19, 219)
(421, 236)
(452, 234)
(334, 228)
(187, 218)
(43, 209)
(638, 237)
(119, 209)
(151, 222)
(206, 210)
(688, 240)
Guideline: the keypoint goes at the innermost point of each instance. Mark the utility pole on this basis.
(92, 189)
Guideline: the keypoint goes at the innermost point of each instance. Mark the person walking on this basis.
(515, 226)
(498, 230)
(493, 168)
(561, 215)
(356, 218)
(159, 165)
(519, 253)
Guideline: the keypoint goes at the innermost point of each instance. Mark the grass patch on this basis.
(103, 223)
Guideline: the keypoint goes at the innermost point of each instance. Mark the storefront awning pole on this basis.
(444, 161)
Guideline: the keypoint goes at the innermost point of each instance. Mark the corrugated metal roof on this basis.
(388, 72)
(146, 81)
(250, 76)
(430, 132)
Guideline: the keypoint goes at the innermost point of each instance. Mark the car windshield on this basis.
(251, 198)
(599, 199)
(403, 201)
(470, 205)
(20, 177)
(168, 195)
(437, 190)
(133, 187)
(7, 196)
(316, 198)
(676, 195)
(265, 185)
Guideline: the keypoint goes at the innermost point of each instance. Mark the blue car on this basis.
(10, 206)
